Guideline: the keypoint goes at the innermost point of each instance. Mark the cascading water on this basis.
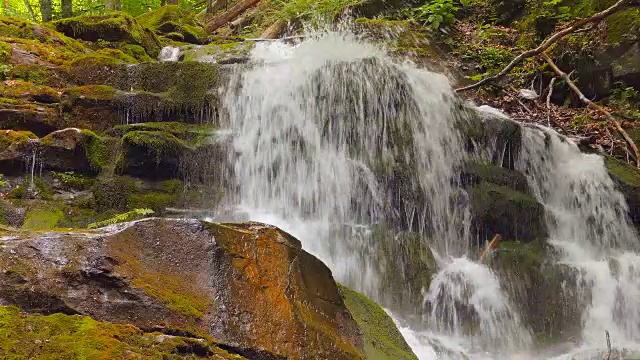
(588, 226)
(331, 136)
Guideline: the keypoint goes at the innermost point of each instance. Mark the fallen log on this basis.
(274, 30)
(236, 10)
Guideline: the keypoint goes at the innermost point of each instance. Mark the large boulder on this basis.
(502, 210)
(112, 27)
(170, 20)
(249, 286)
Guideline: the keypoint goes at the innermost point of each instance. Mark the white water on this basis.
(588, 225)
(169, 53)
(319, 128)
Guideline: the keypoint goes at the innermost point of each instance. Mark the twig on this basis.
(621, 4)
(549, 101)
(493, 244)
(592, 105)
(236, 10)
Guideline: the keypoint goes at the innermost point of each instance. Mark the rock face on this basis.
(248, 286)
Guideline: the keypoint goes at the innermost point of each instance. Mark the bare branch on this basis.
(592, 105)
(618, 6)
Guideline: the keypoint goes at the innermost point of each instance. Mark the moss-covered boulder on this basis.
(502, 210)
(172, 19)
(114, 27)
(544, 292)
(627, 180)
(380, 336)
(219, 53)
(14, 146)
(165, 150)
(249, 286)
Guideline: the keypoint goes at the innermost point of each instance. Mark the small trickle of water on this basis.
(588, 226)
(169, 53)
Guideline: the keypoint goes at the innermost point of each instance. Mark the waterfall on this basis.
(331, 137)
(590, 230)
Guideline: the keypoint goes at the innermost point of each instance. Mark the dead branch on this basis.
(549, 101)
(236, 10)
(274, 30)
(492, 245)
(245, 19)
(618, 6)
(592, 105)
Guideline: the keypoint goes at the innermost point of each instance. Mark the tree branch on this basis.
(620, 5)
(593, 105)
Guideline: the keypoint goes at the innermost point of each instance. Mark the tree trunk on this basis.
(27, 4)
(45, 10)
(116, 4)
(109, 5)
(5, 6)
(235, 11)
(67, 8)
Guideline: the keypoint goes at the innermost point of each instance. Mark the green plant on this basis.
(73, 180)
(626, 99)
(5, 71)
(437, 13)
(3, 183)
(128, 216)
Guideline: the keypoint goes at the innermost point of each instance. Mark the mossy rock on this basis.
(501, 210)
(153, 154)
(476, 172)
(82, 337)
(173, 19)
(407, 264)
(219, 53)
(627, 180)
(122, 193)
(114, 27)
(544, 291)
(93, 69)
(381, 338)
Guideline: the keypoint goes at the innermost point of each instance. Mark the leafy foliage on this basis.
(128, 216)
(627, 99)
(437, 13)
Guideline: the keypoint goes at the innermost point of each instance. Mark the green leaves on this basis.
(437, 13)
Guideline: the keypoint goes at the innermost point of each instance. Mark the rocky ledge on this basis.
(164, 288)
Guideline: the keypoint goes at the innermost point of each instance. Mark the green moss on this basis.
(487, 189)
(626, 173)
(13, 27)
(92, 61)
(156, 200)
(128, 216)
(381, 337)
(114, 27)
(173, 19)
(118, 54)
(42, 218)
(221, 52)
(624, 25)
(5, 52)
(159, 143)
(73, 180)
(136, 51)
(191, 134)
(60, 336)
(98, 92)
(10, 137)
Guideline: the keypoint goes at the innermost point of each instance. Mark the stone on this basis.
(250, 286)
(172, 19)
(501, 210)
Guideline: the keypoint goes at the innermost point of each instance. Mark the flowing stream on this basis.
(332, 137)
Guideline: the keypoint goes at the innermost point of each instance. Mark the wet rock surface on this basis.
(249, 286)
